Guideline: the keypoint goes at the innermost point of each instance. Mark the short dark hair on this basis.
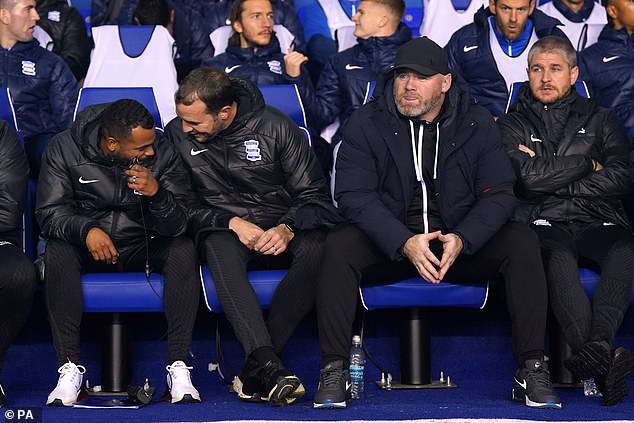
(554, 44)
(153, 12)
(396, 6)
(119, 118)
(211, 86)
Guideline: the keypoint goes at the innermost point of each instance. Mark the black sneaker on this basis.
(532, 386)
(591, 360)
(1, 396)
(613, 386)
(281, 387)
(334, 386)
(248, 385)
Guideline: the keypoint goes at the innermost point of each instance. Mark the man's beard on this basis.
(417, 110)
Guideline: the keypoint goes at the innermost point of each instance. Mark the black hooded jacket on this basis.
(375, 174)
(80, 188)
(559, 184)
(260, 168)
(14, 171)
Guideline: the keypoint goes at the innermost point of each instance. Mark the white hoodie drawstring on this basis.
(436, 155)
(417, 154)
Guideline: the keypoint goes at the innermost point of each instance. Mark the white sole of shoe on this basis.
(331, 405)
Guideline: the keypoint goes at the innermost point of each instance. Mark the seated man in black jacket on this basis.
(427, 190)
(571, 159)
(110, 199)
(251, 169)
(17, 274)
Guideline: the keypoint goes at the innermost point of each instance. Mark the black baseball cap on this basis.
(422, 55)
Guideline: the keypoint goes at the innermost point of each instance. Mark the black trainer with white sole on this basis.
(281, 387)
(532, 386)
(248, 385)
(334, 386)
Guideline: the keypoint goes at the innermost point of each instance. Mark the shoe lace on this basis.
(177, 365)
(71, 367)
(539, 376)
(330, 378)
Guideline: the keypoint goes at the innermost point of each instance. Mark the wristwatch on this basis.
(290, 228)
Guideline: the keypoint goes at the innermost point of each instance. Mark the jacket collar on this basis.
(578, 17)
(391, 43)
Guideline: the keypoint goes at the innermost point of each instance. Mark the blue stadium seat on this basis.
(415, 295)
(514, 90)
(412, 294)
(286, 99)
(413, 17)
(96, 95)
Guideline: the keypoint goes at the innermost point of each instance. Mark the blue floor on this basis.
(472, 347)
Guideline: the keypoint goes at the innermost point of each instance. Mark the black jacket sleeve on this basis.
(55, 206)
(14, 171)
(614, 179)
(494, 199)
(540, 174)
(357, 191)
(168, 207)
(75, 48)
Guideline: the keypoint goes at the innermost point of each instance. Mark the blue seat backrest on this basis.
(580, 86)
(97, 95)
(286, 99)
(84, 7)
(413, 16)
(6, 108)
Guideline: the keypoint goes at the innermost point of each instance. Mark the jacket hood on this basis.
(543, 23)
(457, 100)
(249, 53)
(85, 133)
(250, 103)
(50, 4)
(403, 34)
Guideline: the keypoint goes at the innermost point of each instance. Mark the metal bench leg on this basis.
(115, 358)
(416, 353)
(559, 352)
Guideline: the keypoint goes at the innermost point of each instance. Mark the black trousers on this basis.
(17, 284)
(228, 260)
(607, 249)
(175, 258)
(513, 253)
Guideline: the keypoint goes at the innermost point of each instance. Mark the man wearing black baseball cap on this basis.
(427, 189)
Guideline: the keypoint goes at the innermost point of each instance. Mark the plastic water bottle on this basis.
(357, 366)
(590, 388)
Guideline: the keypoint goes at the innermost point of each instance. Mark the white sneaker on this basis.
(179, 382)
(68, 385)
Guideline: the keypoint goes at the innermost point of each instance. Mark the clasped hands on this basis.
(417, 250)
(273, 241)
